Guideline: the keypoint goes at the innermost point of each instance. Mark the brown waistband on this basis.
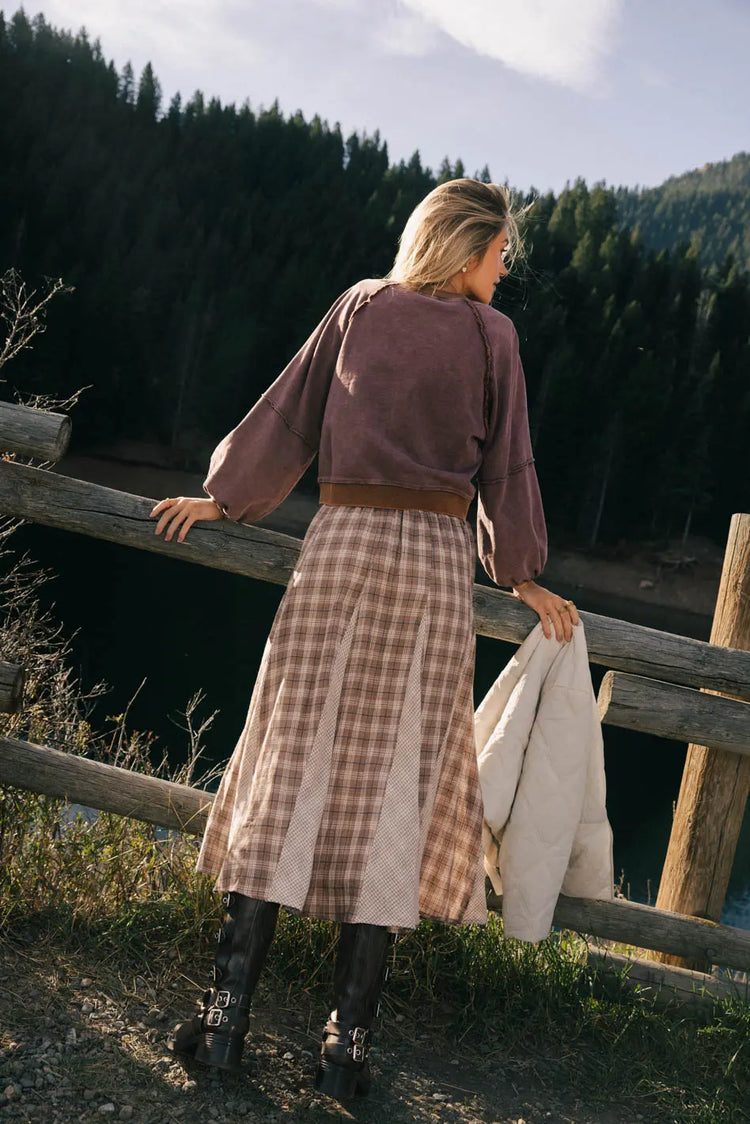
(389, 495)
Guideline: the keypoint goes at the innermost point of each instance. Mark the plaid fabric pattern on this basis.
(353, 792)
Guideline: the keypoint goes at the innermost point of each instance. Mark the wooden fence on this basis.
(665, 684)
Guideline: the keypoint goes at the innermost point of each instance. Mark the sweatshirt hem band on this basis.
(391, 496)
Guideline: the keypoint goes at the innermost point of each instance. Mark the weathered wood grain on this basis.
(670, 711)
(664, 986)
(75, 505)
(109, 788)
(12, 678)
(644, 926)
(715, 784)
(106, 513)
(33, 433)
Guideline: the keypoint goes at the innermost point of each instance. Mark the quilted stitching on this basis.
(540, 756)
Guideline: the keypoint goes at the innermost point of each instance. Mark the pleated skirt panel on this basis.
(353, 792)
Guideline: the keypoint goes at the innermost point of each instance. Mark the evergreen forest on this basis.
(710, 206)
(205, 241)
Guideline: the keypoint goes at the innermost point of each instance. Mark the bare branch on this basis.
(22, 315)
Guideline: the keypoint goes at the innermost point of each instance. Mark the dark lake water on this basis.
(172, 628)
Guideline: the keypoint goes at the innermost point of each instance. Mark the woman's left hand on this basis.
(182, 512)
(550, 607)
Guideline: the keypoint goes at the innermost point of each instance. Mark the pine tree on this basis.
(206, 245)
(148, 102)
(127, 84)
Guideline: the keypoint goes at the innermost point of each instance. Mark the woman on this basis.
(353, 791)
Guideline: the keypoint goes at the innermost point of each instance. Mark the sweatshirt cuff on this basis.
(222, 507)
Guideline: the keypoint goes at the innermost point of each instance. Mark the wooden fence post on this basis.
(29, 432)
(715, 783)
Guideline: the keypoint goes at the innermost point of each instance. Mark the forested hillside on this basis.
(710, 204)
(205, 242)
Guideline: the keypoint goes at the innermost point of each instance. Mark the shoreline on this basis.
(632, 581)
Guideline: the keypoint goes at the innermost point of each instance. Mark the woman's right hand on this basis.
(550, 607)
(182, 512)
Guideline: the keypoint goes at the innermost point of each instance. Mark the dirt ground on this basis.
(82, 1039)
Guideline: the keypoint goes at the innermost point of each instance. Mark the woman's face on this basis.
(481, 278)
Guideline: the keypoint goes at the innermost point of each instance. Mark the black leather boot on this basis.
(359, 975)
(216, 1035)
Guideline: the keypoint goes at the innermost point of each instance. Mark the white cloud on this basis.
(340, 5)
(563, 41)
(403, 33)
(205, 32)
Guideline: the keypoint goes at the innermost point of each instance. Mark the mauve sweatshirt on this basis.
(409, 400)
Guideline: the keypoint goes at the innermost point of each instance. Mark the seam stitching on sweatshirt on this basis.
(488, 366)
(287, 423)
(510, 472)
(389, 484)
(365, 301)
(349, 319)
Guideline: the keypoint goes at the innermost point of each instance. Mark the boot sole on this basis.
(338, 1081)
(217, 1051)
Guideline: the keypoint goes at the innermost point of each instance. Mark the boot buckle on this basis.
(223, 999)
(358, 1053)
(358, 1034)
(214, 1017)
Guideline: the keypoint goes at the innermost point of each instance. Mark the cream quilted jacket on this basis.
(541, 771)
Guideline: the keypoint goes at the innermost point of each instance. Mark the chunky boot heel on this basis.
(215, 1036)
(344, 1070)
(344, 1067)
(336, 1081)
(219, 1051)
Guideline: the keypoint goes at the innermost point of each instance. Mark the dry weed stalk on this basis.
(106, 867)
(22, 313)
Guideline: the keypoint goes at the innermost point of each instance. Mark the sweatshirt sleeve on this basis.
(256, 465)
(511, 529)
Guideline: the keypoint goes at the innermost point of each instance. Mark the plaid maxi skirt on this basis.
(353, 792)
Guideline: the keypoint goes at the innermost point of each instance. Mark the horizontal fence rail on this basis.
(90, 509)
(666, 986)
(113, 789)
(109, 788)
(669, 711)
(29, 432)
(645, 926)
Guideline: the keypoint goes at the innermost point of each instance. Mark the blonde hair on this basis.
(454, 223)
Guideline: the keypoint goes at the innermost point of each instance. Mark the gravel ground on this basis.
(82, 1039)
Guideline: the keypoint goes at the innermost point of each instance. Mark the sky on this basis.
(542, 91)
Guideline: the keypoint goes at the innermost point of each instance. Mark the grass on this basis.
(117, 886)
